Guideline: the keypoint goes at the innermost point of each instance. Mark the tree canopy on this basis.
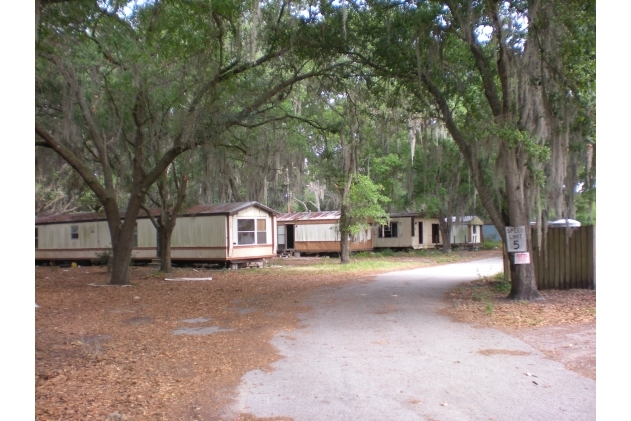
(452, 107)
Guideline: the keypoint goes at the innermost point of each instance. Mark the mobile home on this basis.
(224, 232)
(316, 232)
(417, 231)
(408, 230)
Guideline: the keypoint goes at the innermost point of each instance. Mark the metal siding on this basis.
(147, 233)
(319, 232)
(252, 252)
(144, 254)
(57, 236)
(459, 232)
(405, 240)
(47, 236)
(253, 212)
(199, 231)
(198, 253)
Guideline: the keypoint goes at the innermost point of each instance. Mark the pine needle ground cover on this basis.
(562, 326)
(177, 349)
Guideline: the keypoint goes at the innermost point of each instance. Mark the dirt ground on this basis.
(144, 352)
(562, 326)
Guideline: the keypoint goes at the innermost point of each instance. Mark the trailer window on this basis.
(389, 230)
(251, 231)
(74, 232)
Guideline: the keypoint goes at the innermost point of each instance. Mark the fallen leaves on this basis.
(546, 325)
(467, 303)
(112, 350)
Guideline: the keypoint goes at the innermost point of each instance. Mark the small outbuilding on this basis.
(466, 230)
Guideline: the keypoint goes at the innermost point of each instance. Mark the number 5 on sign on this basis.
(516, 239)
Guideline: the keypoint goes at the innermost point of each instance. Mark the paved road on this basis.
(379, 351)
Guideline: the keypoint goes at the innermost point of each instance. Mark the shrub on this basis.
(102, 257)
(502, 286)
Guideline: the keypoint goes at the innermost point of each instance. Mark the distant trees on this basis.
(442, 182)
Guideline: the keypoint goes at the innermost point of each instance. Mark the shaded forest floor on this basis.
(145, 351)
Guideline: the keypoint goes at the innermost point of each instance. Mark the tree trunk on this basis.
(445, 230)
(165, 247)
(344, 250)
(344, 243)
(523, 282)
(121, 256)
(121, 252)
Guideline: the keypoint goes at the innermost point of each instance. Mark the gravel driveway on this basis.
(380, 351)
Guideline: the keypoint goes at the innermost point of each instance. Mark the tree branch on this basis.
(85, 173)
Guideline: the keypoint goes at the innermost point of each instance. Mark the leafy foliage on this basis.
(366, 204)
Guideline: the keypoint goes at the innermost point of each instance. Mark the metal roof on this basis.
(471, 220)
(564, 223)
(309, 216)
(205, 209)
(68, 217)
(225, 208)
(84, 217)
(408, 215)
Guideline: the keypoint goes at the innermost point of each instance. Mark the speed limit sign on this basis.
(516, 239)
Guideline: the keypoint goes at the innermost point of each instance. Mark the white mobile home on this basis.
(316, 232)
(224, 232)
(408, 230)
(417, 231)
(82, 236)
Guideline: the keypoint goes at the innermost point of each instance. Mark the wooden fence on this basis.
(568, 260)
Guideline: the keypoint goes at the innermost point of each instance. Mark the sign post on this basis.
(516, 239)
(516, 243)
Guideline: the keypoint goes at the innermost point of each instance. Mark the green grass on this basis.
(502, 286)
(356, 265)
(481, 294)
(499, 284)
(397, 253)
(488, 308)
(492, 245)
(372, 262)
